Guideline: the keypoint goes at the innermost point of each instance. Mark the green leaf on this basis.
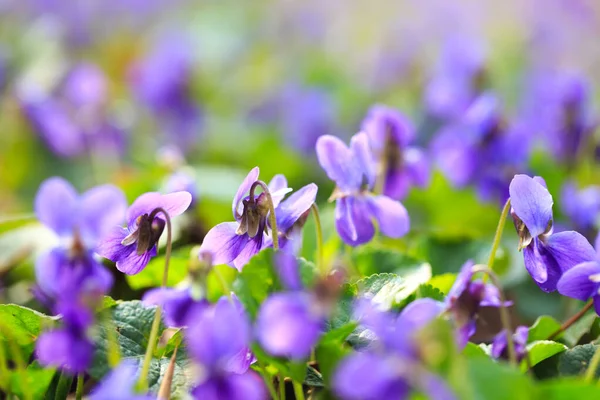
(313, 377)
(542, 328)
(580, 328)
(308, 272)
(152, 275)
(576, 360)
(32, 382)
(256, 281)
(22, 324)
(428, 291)
(19, 244)
(490, 380)
(568, 389)
(329, 354)
(540, 350)
(443, 282)
(295, 370)
(218, 280)
(370, 260)
(473, 350)
(339, 334)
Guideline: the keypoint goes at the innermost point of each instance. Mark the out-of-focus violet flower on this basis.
(248, 386)
(582, 207)
(182, 181)
(480, 149)
(177, 304)
(465, 299)
(547, 255)
(500, 345)
(131, 248)
(119, 384)
(391, 369)
(353, 170)
(400, 165)
(236, 242)
(291, 215)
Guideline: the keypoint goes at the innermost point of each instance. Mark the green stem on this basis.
(143, 380)
(272, 218)
(79, 389)
(590, 373)
(63, 386)
(498, 235)
(281, 387)
(298, 391)
(267, 379)
(504, 316)
(319, 231)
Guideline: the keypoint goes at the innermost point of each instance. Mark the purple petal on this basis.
(420, 313)
(417, 166)
(463, 279)
(597, 245)
(278, 188)
(177, 304)
(288, 271)
(338, 162)
(353, 220)
(248, 386)
(133, 263)
(294, 206)
(56, 205)
(223, 243)
(102, 208)
(384, 123)
(597, 304)
(576, 282)
(243, 189)
(250, 249)
(397, 183)
(287, 325)
(359, 146)
(119, 384)
(569, 249)
(391, 216)
(456, 156)
(435, 387)
(173, 203)
(111, 248)
(537, 263)
(49, 268)
(532, 203)
(63, 349)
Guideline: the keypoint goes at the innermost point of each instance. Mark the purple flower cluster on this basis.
(71, 281)
(353, 169)
(499, 347)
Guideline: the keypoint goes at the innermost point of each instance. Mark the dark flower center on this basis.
(254, 216)
(148, 232)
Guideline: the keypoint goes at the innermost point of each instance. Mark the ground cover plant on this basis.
(299, 200)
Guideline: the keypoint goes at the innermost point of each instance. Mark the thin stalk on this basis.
(79, 389)
(298, 391)
(267, 379)
(114, 353)
(272, 219)
(504, 316)
(164, 392)
(143, 380)
(498, 235)
(572, 320)
(63, 386)
(319, 231)
(281, 388)
(590, 372)
(223, 282)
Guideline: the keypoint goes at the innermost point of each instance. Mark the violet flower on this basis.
(500, 345)
(68, 275)
(353, 170)
(290, 324)
(177, 304)
(547, 255)
(119, 384)
(291, 215)
(581, 206)
(236, 242)
(400, 165)
(390, 368)
(131, 248)
(465, 299)
(218, 340)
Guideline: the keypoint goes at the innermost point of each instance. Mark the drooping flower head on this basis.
(466, 298)
(500, 345)
(547, 255)
(119, 384)
(131, 248)
(353, 170)
(400, 165)
(69, 277)
(390, 368)
(236, 242)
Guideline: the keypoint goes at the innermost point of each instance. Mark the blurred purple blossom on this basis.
(581, 206)
(547, 255)
(177, 304)
(119, 384)
(353, 170)
(399, 164)
(131, 248)
(500, 345)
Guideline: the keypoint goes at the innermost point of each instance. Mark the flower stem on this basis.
(572, 320)
(504, 316)
(590, 372)
(281, 388)
(319, 231)
(79, 389)
(298, 391)
(267, 379)
(63, 387)
(272, 219)
(498, 235)
(164, 392)
(143, 380)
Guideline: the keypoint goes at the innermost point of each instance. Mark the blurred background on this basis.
(175, 94)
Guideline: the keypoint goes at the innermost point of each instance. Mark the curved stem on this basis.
(272, 219)
(498, 235)
(267, 379)
(504, 316)
(590, 372)
(79, 389)
(319, 231)
(572, 320)
(143, 380)
(298, 391)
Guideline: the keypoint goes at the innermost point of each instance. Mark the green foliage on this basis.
(490, 380)
(575, 361)
(541, 350)
(152, 275)
(29, 383)
(543, 328)
(568, 389)
(219, 279)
